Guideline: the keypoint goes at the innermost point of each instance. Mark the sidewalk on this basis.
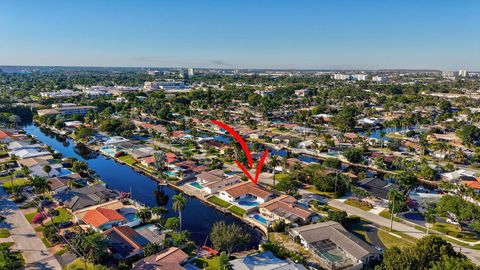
(24, 237)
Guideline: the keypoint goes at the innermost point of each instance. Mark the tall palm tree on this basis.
(179, 203)
(393, 194)
(429, 217)
(273, 163)
(41, 184)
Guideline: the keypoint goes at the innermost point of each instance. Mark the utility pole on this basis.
(391, 215)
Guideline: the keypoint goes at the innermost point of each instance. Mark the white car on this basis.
(452, 221)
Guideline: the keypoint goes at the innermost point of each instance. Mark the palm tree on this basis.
(393, 194)
(273, 163)
(179, 203)
(144, 214)
(429, 217)
(41, 184)
(382, 137)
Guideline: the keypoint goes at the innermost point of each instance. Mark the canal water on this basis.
(198, 218)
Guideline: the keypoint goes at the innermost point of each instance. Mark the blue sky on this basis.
(336, 34)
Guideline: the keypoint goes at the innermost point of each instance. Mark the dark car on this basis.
(65, 224)
(46, 202)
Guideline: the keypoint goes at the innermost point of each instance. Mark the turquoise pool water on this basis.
(247, 203)
(196, 185)
(64, 172)
(170, 173)
(131, 216)
(261, 219)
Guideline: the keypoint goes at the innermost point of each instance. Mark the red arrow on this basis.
(247, 153)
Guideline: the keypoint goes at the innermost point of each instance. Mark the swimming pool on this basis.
(261, 219)
(170, 173)
(131, 216)
(64, 172)
(248, 203)
(196, 185)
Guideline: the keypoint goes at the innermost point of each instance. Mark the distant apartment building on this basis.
(164, 85)
(190, 72)
(379, 79)
(66, 109)
(462, 73)
(64, 93)
(359, 77)
(449, 74)
(339, 76)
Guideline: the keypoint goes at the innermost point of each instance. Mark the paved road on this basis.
(24, 236)
(474, 255)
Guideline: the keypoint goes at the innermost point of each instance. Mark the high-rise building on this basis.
(462, 73)
(190, 72)
(360, 77)
(447, 74)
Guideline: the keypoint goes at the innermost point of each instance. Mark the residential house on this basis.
(79, 198)
(246, 194)
(215, 180)
(101, 219)
(285, 208)
(125, 242)
(336, 247)
(377, 187)
(265, 261)
(170, 259)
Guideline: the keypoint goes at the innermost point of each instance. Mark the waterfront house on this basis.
(34, 161)
(246, 195)
(101, 219)
(5, 136)
(79, 198)
(170, 259)
(333, 245)
(215, 180)
(285, 208)
(124, 242)
(265, 261)
(28, 153)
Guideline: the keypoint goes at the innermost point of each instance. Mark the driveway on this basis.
(24, 236)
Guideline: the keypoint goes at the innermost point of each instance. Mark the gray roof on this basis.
(377, 187)
(336, 233)
(79, 198)
(264, 261)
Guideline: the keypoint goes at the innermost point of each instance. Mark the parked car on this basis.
(28, 189)
(65, 224)
(46, 202)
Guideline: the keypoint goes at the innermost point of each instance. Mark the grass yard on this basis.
(79, 264)
(30, 216)
(219, 202)
(127, 159)
(4, 233)
(360, 231)
(237, 210)
(63, 216)
(454, 230)
(15, 182)
(390, 240)
(208, 264)
(386, 214)
(359, 204)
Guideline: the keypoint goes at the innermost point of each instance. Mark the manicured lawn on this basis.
(30, 216)
(359, 230)
(4, 233)
(454, 230)
(358, 204)
(127, 159)
(46, 243)
(390, 240)
(15, 182)
(386, 214)
(208, 264)
(219, 201)
(78, 264)
(323, 193)
(63, 216)
(5, 177)
(237, 210)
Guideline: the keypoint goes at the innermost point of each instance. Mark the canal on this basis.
(198, 218)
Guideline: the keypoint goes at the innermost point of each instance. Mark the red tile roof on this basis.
(246, 188)
(287, 203)
(99, 216)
